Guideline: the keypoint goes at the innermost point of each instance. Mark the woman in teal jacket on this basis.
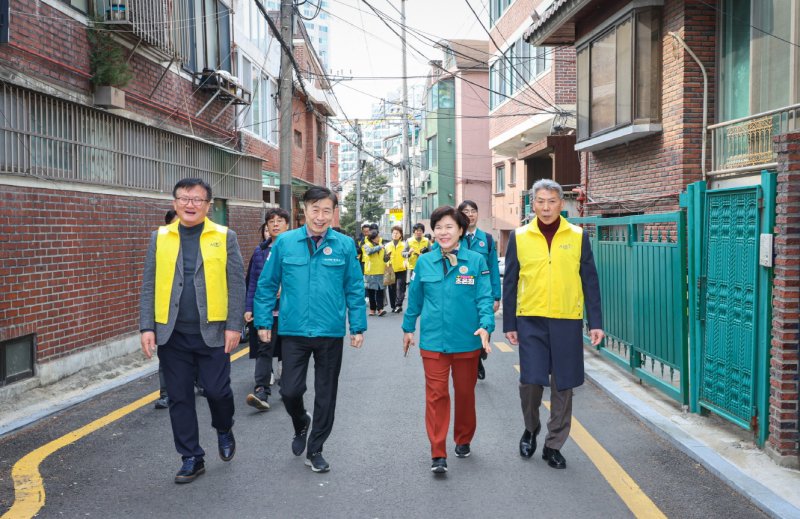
(452, 293)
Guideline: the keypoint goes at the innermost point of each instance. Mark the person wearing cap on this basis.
(451, 295)
(483, 242)
(322, 290)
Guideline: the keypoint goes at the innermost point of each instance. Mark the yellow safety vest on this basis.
(416, 246)
(373, 263)
(214, 250)
(396, 255)
(549, 280)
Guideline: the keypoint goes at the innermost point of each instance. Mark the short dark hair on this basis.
(449, 210)
(398, 229)
(373, 227)
(261, 231)
(373, 233)
(467, 203)
(170, 216)
(277, 212)
(419, 226)
(315, 193)
(188, 183)
(365, 224)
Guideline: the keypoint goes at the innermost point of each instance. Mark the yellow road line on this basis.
(502, 346)
(29, 495)
(624, 485)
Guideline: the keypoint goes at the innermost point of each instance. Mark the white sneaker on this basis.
(272, 378)
(279, 371)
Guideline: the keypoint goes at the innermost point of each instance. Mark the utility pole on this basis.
(358, 175)
(286, 95)
(406, 168)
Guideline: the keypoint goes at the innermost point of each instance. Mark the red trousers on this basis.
(438, 367)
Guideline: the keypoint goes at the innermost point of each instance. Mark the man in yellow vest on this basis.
(550, 275)
(192, 311)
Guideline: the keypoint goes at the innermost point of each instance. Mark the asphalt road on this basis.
(378, 451)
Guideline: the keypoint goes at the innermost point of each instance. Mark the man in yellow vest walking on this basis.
(192, 311)
(550, 274)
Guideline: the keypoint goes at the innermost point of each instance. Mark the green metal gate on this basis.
(730, 307)
(728, 297)
(641, 263)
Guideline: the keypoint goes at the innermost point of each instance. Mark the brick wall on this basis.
(783, 421)
(73, 275)
(648, 174)
(53, 47)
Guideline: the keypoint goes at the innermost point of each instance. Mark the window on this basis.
(16, 359)
(496, 9)
(758, 47)
(206, 38)
(298, 139)
(619, 75)
(261, 117)
(80, 5)
(500, 179)
(321, 140)
(433, 153)
(512, 180)
(528, 62)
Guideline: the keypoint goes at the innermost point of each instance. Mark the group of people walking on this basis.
(197, 295)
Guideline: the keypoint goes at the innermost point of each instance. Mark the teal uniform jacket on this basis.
(452, 305)
(481, 244)
(316, 287)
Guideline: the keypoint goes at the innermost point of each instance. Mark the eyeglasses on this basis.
(183, 200)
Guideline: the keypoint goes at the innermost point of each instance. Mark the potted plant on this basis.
(110, 70)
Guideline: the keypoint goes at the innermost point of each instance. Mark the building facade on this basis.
(531, 124)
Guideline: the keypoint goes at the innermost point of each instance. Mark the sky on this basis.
(362, 46)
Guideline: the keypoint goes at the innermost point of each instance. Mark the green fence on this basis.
(641, 263)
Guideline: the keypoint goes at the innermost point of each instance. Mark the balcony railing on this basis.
(744, 145)
(147, 21)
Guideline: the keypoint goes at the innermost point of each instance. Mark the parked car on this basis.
(501, 264)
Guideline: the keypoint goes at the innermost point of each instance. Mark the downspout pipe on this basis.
(705, 100)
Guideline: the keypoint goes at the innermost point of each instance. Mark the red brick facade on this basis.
(72, 275)
(648, 174)
(784, 394)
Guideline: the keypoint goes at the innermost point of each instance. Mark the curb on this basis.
(55, 407)
(764, 498)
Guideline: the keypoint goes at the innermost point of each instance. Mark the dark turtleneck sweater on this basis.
(549, 230)
(188, 320)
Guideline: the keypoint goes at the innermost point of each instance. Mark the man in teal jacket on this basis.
(480, 241)
(320, 281)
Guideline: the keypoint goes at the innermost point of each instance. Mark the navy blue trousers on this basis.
(327, 353)
(181, 357)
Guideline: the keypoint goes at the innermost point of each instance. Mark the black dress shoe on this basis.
(191, 468)
(300, 436)
(439, 465)
(527, 444)
(227, 444)
(554, 458)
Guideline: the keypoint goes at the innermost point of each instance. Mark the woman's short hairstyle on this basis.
(398, 229)
(452, 212)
